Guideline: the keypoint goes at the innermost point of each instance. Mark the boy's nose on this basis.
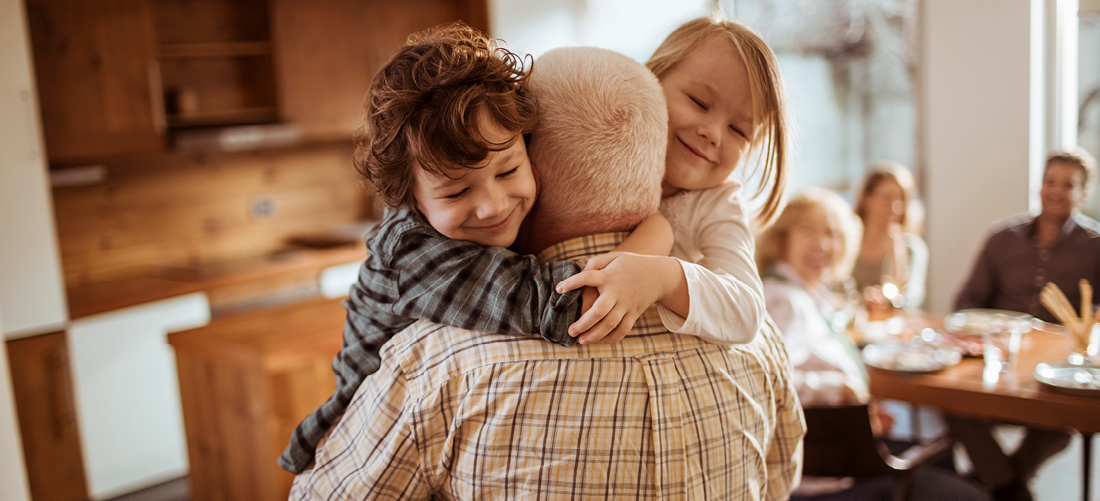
(492, 205)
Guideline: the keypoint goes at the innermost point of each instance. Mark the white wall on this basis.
(13, 474)
(631, 27)
(976, 100)
(31, 294)
(32, 299)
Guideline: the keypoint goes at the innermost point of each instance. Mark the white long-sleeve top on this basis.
(716, 250)
(824, 363)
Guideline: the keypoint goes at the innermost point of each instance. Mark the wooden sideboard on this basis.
(245, 383)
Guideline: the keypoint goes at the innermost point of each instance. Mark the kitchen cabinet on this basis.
(47, 417)
(119, 77)
(328, 52)
(127, 397)
(246, 382)
(98, 77)
(215, 61)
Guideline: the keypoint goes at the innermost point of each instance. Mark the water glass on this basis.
(1001, 341)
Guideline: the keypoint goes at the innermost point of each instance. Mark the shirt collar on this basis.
(1067, 227)
(581, 248)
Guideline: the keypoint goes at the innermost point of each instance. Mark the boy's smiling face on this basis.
(485, 204)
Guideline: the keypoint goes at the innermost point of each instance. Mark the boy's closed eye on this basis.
(455, 196)
(507, 174)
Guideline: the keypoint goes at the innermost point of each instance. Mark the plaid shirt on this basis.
(413, 272)
(460, 415)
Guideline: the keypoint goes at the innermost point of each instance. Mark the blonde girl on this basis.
(725, 102)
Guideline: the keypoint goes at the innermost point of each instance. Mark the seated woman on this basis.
(890, 251)
(1022, 254)
(811, 245)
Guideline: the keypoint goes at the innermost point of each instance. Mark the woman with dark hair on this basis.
(890, 251)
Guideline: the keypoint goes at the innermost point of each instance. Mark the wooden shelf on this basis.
(224, 117)
(215, 49)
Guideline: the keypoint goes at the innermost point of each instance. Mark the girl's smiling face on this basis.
(710, 121)
(486, 203)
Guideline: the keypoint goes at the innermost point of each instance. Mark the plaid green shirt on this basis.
(413, 272)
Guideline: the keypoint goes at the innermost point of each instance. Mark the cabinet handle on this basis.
(156, 97)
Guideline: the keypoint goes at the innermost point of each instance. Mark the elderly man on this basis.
(455, 414)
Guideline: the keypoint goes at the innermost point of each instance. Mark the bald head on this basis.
(599, 147)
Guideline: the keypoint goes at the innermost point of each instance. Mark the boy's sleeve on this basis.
(476, 287)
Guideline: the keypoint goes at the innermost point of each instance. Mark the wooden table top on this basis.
(277, 340)
(100, 297)
(1014, 398)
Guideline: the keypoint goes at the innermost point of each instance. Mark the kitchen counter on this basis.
(285, 277)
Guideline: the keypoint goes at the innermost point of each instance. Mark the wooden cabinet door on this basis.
(328, 52)
(97, 75)
(47, 417)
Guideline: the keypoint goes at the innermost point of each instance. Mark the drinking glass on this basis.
(1001, 339)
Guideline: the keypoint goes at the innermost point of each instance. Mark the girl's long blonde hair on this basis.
(769, 101)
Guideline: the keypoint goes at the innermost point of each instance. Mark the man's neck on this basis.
(1048, 228)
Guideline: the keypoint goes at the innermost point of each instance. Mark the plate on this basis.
(1077, 379)
(910, 358)
(971, 322)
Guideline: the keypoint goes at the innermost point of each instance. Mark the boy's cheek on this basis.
(535, 175)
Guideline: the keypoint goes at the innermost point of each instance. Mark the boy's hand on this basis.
(627, 286)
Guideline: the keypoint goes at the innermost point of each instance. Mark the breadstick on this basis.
(1053, 306)
(1086, 303)
(1056, 302)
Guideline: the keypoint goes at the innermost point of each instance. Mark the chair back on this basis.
(839, 443)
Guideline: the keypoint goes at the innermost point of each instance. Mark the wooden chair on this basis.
(839, 443)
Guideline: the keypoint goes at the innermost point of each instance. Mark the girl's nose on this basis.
(710, 129)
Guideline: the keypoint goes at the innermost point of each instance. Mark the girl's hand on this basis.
(628, 284)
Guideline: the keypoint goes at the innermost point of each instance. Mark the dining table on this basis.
(1014, 396)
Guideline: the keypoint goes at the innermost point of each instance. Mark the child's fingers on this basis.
(601, 329)
(601, 261)
(590, 318)
(582, 279)
(620, 331)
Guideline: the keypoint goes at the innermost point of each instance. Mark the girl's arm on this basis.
(652, 237)
(718, 299)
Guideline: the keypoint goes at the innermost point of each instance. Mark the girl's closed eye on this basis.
(507, 174)
(738, 131)
(697, 102)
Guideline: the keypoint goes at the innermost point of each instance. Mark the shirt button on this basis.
(1040, 277)
(1044, 254)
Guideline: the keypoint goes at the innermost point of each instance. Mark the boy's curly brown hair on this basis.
(424, 104)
